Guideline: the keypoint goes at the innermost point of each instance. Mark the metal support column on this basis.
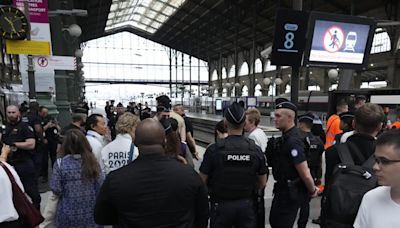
(176, 73)
(190, 76)
(253, 78)
(220, 85)
(198, 75)
(183, 77)
(170, 71)
(238, 92)
(31, 71)
(294, 80)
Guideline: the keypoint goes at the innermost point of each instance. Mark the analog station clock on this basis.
(13, 23)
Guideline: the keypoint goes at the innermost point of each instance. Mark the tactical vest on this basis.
(277, 159)
(235, 177)
(314, 150)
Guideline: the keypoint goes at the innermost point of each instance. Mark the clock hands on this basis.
(12, 25)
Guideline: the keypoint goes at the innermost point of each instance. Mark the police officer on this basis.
(114, 118)
(51, 133)
(234, 169)
(294, 183)
(314, 149)
(32, 119)
(20, 137)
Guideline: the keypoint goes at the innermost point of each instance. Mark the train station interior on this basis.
(191, 49)
(203, 54)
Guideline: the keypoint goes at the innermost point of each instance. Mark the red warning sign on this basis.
(333, 39)
(42, 61)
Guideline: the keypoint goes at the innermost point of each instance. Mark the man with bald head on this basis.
(294, 183)
(21, 138)
(154, 190)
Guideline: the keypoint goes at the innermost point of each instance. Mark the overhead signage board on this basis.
(38, 10)
(51, 63)
(289, 37)
(339, 40)
(44, 78)
(27, 47)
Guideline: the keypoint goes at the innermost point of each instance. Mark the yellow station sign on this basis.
(27, 47)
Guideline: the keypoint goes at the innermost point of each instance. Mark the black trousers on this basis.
(12, 224)
(284, 209)
(44, 164)
(304, 214)
(52, 148)
(260, 208)
(27, 174)
(234, 213)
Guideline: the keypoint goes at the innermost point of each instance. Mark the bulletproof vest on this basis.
(276, 158)
(236, 176)
(313, 150)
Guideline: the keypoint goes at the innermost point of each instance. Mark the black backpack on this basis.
(348, 184)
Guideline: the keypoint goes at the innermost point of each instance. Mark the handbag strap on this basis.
(131, 152)
(9, 174)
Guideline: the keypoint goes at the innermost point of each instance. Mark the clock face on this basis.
(13, 23)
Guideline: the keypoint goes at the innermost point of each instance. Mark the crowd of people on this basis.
(134, 167)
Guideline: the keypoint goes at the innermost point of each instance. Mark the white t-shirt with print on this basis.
(378, 210)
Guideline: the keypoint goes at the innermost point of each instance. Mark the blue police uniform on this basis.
(233, 166)
(22, 160)
(289, 190)
(314, 150)
(33, 119)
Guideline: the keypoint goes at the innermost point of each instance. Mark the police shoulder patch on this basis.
(294, 152)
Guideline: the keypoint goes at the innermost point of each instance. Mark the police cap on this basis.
(346, 115)
(280, 100)
(80, 110)
(235, 114)
(361, 97)
(287, 105)
(308, 117)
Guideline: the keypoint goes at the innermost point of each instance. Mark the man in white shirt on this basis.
(96, 128)
(253, 117)
(8, 214)
(121, 151)
(380, 207)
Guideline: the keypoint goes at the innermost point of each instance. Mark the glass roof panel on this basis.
(147, 15)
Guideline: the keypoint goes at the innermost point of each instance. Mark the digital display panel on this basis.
(339, 40)
(218, 105)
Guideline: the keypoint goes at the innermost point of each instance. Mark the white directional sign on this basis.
(51, 63)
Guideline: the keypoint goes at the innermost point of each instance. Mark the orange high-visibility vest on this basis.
(396, 125)
(332, 129)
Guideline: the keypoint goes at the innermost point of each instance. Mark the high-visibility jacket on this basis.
(332, 129)
(396, 125)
